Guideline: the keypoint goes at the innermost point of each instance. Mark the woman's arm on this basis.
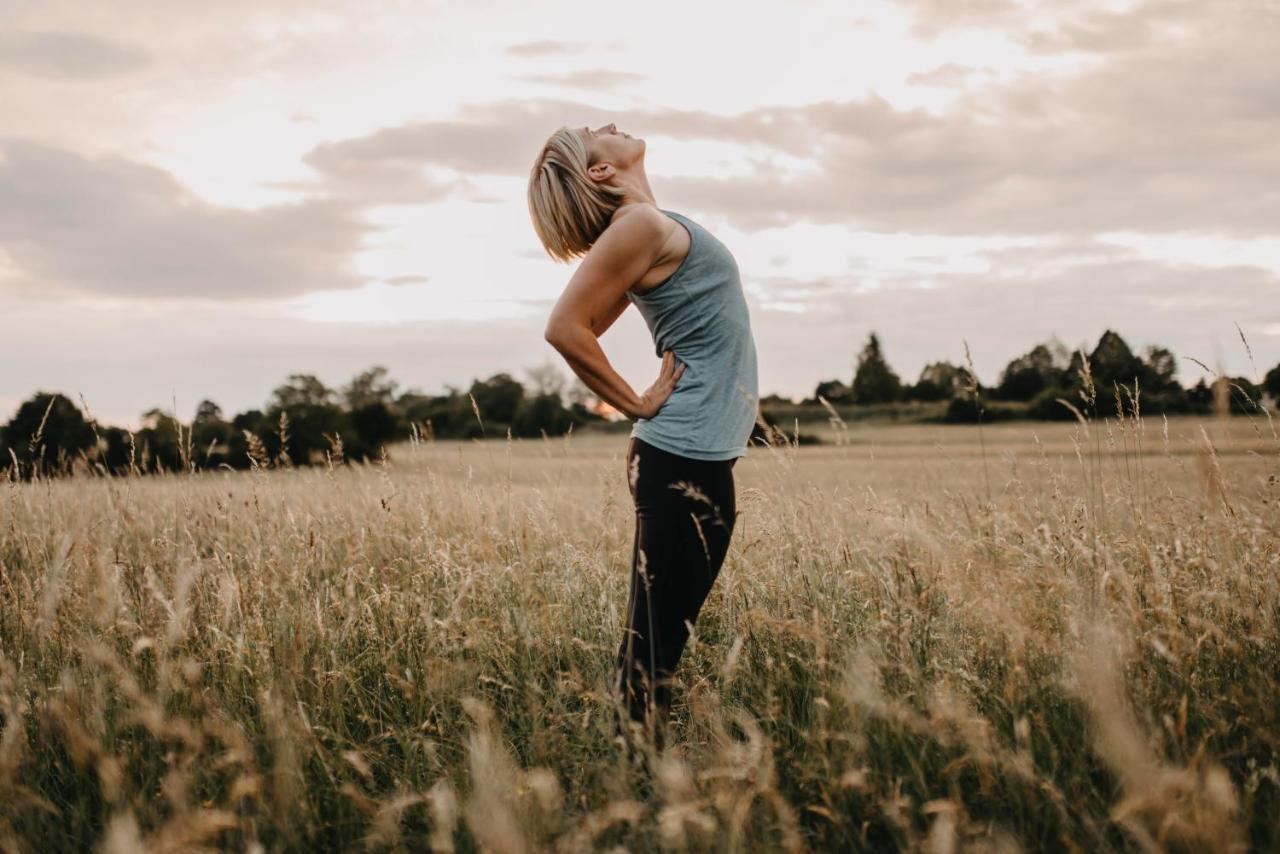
(602, 324)
(582, 351)
(595, 296)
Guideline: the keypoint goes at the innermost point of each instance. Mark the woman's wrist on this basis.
(585, 357)
(632, 408)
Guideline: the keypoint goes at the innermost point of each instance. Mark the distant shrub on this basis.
(1045, 406)
(965, 410)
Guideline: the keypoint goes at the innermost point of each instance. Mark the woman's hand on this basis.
(656, 395)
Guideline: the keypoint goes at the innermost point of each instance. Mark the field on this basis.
(1019, 637)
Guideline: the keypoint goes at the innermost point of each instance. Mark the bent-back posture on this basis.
(589, 197)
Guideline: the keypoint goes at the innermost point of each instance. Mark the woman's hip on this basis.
(662, 482)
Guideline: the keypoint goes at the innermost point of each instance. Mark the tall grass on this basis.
(415, 653)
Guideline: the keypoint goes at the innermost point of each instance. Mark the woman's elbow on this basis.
(559, 335)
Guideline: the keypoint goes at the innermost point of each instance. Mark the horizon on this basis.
(195, 206)
(601, 407)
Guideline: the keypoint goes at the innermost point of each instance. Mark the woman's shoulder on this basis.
(637, 212)
(633, 228)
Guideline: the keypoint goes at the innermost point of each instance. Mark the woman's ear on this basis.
(601, 171)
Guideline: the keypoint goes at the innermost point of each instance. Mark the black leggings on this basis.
(681, 537)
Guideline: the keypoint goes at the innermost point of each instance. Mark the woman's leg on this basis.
(685, 513)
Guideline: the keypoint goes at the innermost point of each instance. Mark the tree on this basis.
(1113, 364)
(833, 391)
(577, 394)
(207, 412)
(47, 431)
(498, 398)
(160, 442)
(1244, 395)
(302, 390)
(115, 448)
(1030, 374)
(211, 436)
(1200, 397)
(541, 412)
(547, 379)
(1113, 361)
(372, 412)
(371, 386)
(312, 419)
(581, 402)
(447, 414)
(1271, 384)
(375, 424)
(875, 381)
(1159, 370)
(253, 420)
(938, 381)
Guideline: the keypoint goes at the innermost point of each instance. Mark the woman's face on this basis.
(608, 144)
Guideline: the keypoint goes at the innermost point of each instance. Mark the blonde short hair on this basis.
(568, 209)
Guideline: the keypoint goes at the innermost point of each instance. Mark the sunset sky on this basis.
(195, 204)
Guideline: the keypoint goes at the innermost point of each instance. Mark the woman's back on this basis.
(700, 313)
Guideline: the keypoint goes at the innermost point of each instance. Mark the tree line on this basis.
(305, 422)
(1034, 384)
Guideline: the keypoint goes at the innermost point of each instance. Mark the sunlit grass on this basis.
(416, 654)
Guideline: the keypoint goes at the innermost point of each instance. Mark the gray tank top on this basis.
(700, 313)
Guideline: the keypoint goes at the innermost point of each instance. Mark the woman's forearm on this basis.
(580, 348)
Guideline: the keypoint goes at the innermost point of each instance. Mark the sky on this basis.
(197, 201)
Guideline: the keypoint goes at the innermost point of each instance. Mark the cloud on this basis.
(114, 226)
(503, 137)
(930, 18)
(381, 169)
(546, 47)
(1058, 26)
(1102, 31)
(1166, 131)
(69, 56)
(949, 75)
(1177, 137)
(594, 79)
(497, 138)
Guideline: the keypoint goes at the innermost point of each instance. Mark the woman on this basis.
(589, 197)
